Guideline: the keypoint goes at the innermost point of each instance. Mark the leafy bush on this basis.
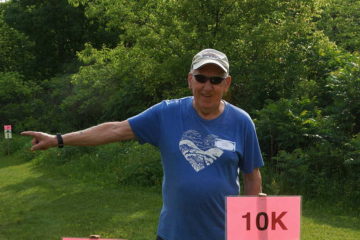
(287, 124)
(322, 171)
(125, 163)
(313, 151)
(16, 145)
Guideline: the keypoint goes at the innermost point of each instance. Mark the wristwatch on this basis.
(60, 140)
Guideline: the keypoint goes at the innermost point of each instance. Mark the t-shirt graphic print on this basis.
(199, 150)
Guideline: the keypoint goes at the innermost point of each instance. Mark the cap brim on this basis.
(209, 61)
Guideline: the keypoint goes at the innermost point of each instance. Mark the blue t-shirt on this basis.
(201, 161)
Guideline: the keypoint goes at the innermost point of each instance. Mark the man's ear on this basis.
(189, 78)
(228, 80)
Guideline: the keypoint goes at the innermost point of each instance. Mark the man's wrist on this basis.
(60, 141)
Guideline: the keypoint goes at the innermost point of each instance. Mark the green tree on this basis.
(340, 21)
(19, 101)
(15, 48)
(344, 87)
(273, 46)
(57, 30)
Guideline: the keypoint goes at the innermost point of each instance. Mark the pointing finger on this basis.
(29, 133)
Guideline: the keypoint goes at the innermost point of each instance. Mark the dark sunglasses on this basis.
(213, 80)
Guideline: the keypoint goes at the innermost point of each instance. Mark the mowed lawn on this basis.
(36, 206)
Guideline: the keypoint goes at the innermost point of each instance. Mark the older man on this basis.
(204, 141)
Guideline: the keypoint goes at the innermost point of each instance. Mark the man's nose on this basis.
(208, 85)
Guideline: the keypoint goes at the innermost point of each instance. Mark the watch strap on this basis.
(60, 140)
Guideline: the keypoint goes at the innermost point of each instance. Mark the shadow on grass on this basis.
(48, 207)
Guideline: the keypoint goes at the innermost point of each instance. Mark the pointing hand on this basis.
(41, 141)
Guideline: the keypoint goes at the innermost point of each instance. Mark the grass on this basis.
(321, 221)
(38, 205)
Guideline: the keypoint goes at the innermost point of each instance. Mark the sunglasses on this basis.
(213, 80)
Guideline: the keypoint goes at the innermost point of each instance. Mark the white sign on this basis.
(7, 131)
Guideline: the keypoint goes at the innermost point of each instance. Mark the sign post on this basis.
(263, 218)
(8, 135)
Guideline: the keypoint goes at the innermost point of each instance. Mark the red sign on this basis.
(263, 218)
(7, 127)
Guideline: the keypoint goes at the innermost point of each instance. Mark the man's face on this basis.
(207, 95)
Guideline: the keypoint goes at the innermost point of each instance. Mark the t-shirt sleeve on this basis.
(146, 125)
(252, 157)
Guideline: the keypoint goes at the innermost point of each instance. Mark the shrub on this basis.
(127, 163)
(16, 145)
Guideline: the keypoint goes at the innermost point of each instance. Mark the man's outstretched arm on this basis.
(101, 134)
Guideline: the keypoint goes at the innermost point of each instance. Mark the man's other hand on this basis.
(41, 141)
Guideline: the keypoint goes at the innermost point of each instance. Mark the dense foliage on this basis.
(66, 65)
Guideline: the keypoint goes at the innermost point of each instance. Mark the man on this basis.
(204, 141)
